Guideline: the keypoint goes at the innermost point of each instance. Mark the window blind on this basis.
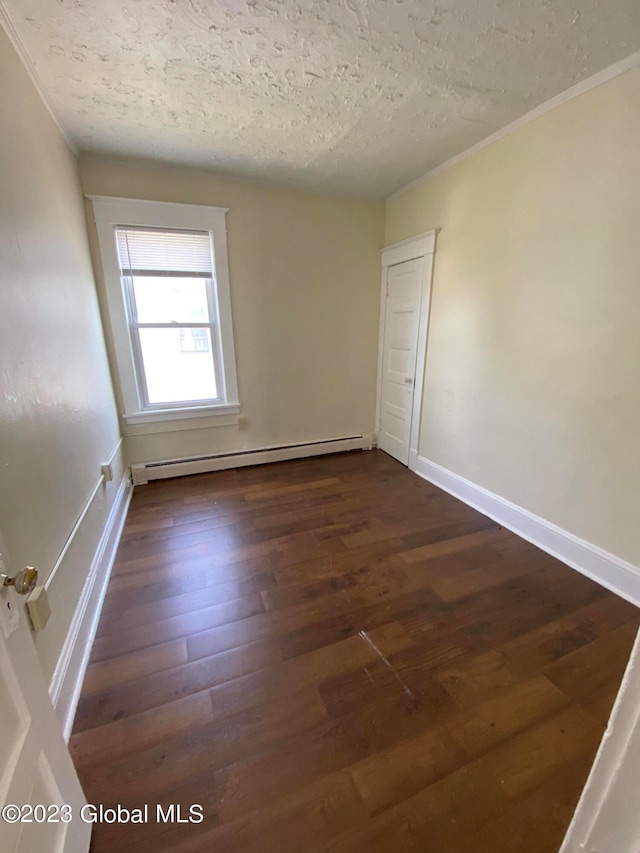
(151, 251)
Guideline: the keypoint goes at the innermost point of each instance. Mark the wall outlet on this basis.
(107, 471)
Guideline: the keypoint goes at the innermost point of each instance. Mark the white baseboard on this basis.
(615, 574)
(66, 682)
(144, 472)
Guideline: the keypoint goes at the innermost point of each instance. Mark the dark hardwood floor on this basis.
(333, 655)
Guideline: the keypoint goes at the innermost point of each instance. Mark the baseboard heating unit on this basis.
(144, 472)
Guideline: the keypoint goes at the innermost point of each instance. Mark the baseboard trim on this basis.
(66, 682)
(610, 571)
(144, 472)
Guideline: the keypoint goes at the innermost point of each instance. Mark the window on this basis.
(166, 275)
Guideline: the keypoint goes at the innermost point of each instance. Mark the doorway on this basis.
(404, 318)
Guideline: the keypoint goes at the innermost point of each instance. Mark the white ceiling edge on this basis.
(580, 88)
(14, 38)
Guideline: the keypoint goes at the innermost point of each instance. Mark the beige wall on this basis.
(532, 383)
(57, 416)
(305, 273)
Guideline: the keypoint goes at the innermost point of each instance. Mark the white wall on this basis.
(305, 279)
(532, 386)
(57, 416)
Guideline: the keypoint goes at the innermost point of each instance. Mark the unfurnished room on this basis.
(319, 426)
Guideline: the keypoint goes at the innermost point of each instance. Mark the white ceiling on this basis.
(356, 97)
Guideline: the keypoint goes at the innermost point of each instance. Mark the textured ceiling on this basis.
(355, 97)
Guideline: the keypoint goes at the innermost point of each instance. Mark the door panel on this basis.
(35, 765)
(402, 320)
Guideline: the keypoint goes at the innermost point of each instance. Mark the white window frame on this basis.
(110, 212)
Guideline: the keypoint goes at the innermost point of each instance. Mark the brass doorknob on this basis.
(24, 582)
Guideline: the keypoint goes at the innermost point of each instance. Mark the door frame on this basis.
(421, 246)
(606, 817)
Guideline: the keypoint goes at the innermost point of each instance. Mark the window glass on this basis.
(170, 300)
(174, 373)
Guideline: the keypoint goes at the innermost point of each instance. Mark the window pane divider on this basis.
(172, 325)
(209, 402)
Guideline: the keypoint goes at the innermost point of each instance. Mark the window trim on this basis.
(110, 212)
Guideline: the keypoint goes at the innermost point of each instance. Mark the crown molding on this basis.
(14, 38)
(581, 88)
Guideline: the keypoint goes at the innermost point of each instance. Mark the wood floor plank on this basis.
(530, 652)
(392, 775)
(310, 815)
(102, 744)
(518, 828)
(125, 618)
(249, 612)
(481, 727)
(158, 688)
(332, 655)
(447, 811)
(454, 545)
(193, 583)
(103, 675)
(522, 763)
(587, 668)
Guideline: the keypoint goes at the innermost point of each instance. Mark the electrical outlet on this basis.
(107, 471)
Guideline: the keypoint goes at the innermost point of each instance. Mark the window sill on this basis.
(158, 415)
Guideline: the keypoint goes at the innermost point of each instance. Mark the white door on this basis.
(36, 772)
(400, 343)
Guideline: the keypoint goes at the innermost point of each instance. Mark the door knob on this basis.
(23, 582)
(408, 380)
